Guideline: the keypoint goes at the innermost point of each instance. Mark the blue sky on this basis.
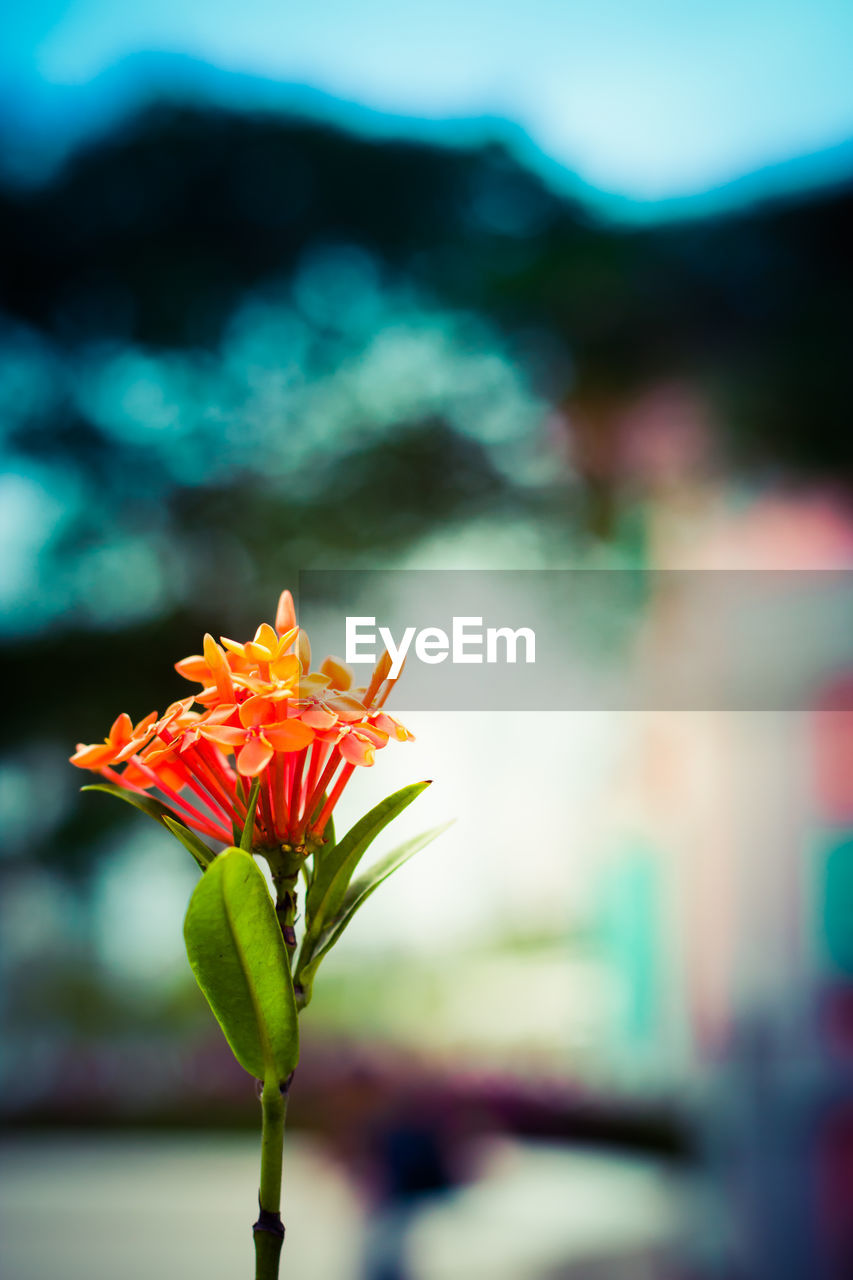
(648, 100)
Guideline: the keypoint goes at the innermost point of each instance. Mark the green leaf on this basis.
(202, 853)
(361, 889)
(147, 804)
(236, 952)
(249, 824)
(358, 893)
(334, 867)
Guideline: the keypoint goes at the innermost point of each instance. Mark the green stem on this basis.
(268, 1230)
(285, 864)
(285, 910)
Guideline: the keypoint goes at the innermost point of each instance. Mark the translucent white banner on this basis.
(591, 639)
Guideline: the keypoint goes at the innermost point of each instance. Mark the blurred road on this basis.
(136, 1206)
(87, 1208)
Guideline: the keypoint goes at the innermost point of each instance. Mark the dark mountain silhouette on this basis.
(41, 128)
(156, 231)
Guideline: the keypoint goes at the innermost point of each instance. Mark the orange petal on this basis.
(171, 778)
(254, 757)
(254, 683)
(347, 709)
(158, 751)
(318, 717)
(121, 731)
(285, 614)
(173, 713)
(357, 750)
(378, 737)
(209, 696)
(92, 757)
(333, 735)
(193, 668)
(392, 727)
(219, 715)
(256, 711)
(141, 734)
(238, 661)
(224, 735)
(219, 668)
(134, 777)
(290, 735)
(380, 674)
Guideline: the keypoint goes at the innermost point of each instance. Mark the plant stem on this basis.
(268, 1230)
(285, 865)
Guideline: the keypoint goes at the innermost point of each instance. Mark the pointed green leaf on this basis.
(249, 824)
(361, 889)
(147, 804)
(358, 893)
(202, 853)
(236, 830)
(236, 952)
(334, 867)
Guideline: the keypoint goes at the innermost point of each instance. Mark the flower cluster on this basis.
(261, 714)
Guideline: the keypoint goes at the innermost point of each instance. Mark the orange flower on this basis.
(258, 736)
(302, 733)
(123, 739)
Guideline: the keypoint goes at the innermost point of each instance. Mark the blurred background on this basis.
(485, 286)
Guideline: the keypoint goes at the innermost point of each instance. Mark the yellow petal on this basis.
(234, 646)
(303, 649)
(266, 636)
(286, 668)
(338, 672)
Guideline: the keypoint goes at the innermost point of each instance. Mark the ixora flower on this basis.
(256, 761)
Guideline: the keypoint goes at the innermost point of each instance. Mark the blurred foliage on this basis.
(153, 237)
(236, 345)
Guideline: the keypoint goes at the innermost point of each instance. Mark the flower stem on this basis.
(268, 1230)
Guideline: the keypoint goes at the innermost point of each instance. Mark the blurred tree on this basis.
(238, 345)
